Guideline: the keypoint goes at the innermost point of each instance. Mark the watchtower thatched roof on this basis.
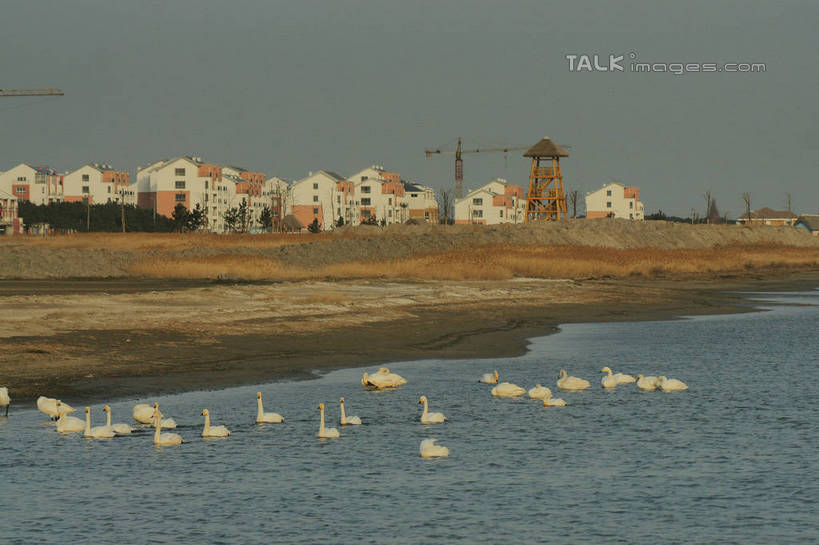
(546, 148)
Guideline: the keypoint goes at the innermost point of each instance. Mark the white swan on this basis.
(67, 424)
(143, 413)
(566, 382)
(215, 431)
(539, 392)
(326, 433)
(430, 450)
(48, 405)
(263, 417)
(382, 379)
(428, 417)
(556, 402)
(671, 384)
(646, 383)
(119, 429)
(164, 438)
(166, 422)
(623, 378)
(5, 400)
(97, 432)
(489, 378)
(347, 420)
(609, 380)
(507, 389)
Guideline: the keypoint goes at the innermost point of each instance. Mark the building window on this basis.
(365, 201)
(477, 213)
(500, 212)
(21, 178)
(180, 197)
(315, 186)
(631, 204)
(315, 211)
(363, 178)
(179, 172)
(389, 213)
(608, 204)
(413, 195)
(608, 193)
(206, 184)
(85, 178)
(179, 184)
(21, 190)
(338, 199)
(315, 198)
(477, 202)
(365, 213)
(426, 215)
(109, 189)
(85, 189)
(389, 201)
(365, 189)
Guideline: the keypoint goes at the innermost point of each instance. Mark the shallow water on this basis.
(732, 460)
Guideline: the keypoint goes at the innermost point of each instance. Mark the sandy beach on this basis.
(106, 339)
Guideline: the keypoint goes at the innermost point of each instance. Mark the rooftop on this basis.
(546, 148)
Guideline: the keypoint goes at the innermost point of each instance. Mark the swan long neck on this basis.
(343, 414)
(87, 422)
(158, 431)
(321, 424)
(108, 418)
(608, 371)
(426, 407)
(207, 422)
(260, 412)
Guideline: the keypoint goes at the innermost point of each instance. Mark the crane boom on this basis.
(459, 163)
(30, 92)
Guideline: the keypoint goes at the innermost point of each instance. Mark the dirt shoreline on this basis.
(108, 362)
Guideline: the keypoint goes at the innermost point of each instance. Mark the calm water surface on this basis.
(732, 460)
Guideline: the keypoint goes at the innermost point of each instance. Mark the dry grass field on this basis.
(496, 263)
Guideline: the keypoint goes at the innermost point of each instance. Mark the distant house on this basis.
(768, 216)
(36, 184)
(493, 203)
(100, 183)
(809, 222)
(9, 222)
(614, 200)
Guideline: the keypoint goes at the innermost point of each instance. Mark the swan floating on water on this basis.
(48, 405)
(97, 432)
(326, 433)
(215, 431)
(671, 384)
(507, 389)
(263, 417)
(489, 378)
(143, 413)
(566, 382)
(119, 429)
(647, 383)
(67, 424)
(347, 420)
(609, 380)
(556, 402)
(382, 380)
(538, 392)
(430, 450)
(166, 422)
(164, 439)
(5, 400)
(428, 417)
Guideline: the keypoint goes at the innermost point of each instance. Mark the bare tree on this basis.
(445, 202)
(746, 198)
(573, 201)
(708, 200)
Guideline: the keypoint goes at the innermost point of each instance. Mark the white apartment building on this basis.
(323, 195)
(100, 183)
(420, 202)
(491, 204)
(615, 200)
(189, 181)
(380, 195)
(37, 184)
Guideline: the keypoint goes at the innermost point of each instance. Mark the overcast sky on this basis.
(290, 87)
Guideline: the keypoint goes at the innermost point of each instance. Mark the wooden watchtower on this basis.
(546, 199)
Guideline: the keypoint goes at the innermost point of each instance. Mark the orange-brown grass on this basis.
(144, 242)
(498, 263)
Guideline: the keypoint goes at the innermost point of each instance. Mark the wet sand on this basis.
(87, 341)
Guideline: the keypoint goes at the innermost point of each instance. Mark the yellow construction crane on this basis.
(459, 163)
(30, 92)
